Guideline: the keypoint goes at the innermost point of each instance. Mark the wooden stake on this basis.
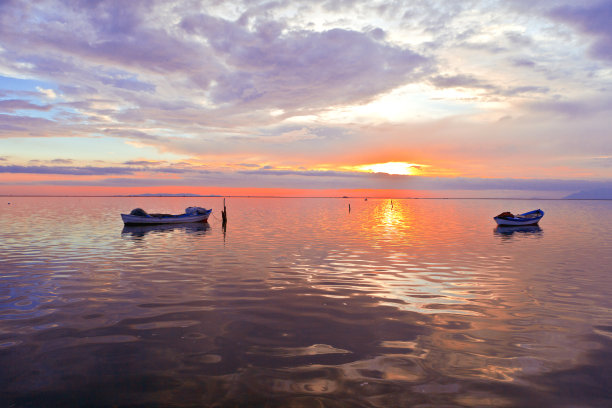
(224, 213)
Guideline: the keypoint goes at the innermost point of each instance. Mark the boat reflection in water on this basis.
(139, 231)
(525, 229)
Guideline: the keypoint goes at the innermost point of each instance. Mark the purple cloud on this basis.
(131, 84)
(88, 170)
(468, 81)
(594, 20)
(459, 81)
(130, 134)
(77, 171)
(10, 124)
(523, 62)
(11, 105)
(143, 163)
(268, 171)
(572, 108)
(302, 68)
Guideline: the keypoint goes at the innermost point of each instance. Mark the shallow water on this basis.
(299, 303)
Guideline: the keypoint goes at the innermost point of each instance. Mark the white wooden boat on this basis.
(528, 218)
(141, 217)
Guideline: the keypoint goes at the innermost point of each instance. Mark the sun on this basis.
(401, 168)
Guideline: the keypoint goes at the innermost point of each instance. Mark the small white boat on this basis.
(528, 218)
(139, 216)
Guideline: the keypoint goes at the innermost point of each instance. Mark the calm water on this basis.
(299, 303)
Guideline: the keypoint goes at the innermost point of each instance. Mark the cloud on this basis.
(49, 93)
(591, 19)
(130, 134)
(247, 165)
(269, 171)
(130, 83)
(470, 82)
(292, 136)
(296, 69)
(61, 161)
(87, 170)
(325, 180)
(143, 162)
(12, 105)
(78, 171)
(523, 62)
(459, 81)
(31, 126)
(573, 108)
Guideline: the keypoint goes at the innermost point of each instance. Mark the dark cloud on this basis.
(78, 171)
(11, 105)
(459, 81)
(143, 163)
(523, 62)
(518, 39)
(85, 170)
(571, 108)
(593, 20)
(130, 134)
(270, 171)
(519, 90)
(468, 81)
(10, 124)
(131, 84)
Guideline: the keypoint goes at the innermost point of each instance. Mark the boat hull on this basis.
(129, 219)
(516, 223)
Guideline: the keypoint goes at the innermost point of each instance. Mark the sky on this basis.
(508, 98)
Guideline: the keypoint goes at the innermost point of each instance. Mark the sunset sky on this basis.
(509, 98)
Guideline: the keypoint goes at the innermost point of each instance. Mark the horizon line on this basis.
(273, 196)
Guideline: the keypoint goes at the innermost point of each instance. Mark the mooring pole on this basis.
(224, 213)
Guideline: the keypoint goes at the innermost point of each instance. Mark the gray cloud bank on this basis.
(305, 179)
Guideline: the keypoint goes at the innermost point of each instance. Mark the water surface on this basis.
(299, 303)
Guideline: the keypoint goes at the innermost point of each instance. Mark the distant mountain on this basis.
(171, 195)
(595, 194)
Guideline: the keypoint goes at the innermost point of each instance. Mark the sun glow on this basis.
(401, 168)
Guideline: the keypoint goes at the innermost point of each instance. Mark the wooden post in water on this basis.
(224, 213)
(349, 208)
